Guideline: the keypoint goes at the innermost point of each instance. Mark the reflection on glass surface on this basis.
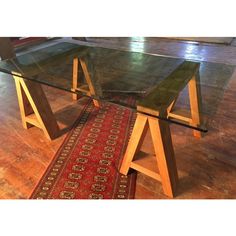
(120, 76)
(137, 44)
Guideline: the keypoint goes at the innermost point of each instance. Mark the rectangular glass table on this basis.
(161, 90)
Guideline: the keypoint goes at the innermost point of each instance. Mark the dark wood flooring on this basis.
(207, 166)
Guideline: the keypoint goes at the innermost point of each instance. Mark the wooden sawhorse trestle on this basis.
(34, 107)
(88, 88)
(160, 102)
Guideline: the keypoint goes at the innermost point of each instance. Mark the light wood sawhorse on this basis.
(87, 88)
(34, 107)
(160, 102)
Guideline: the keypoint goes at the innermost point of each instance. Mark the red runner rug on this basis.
(87, 163)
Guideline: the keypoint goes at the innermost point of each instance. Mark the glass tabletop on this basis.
(149, 84)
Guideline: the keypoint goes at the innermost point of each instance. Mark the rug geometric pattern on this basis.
(87, 163)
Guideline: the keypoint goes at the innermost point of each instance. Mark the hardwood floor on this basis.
(207, 166)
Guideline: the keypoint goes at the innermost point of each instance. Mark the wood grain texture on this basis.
(89, 81)
(31, 94)
(207, 166)
(164, 153)
(24, 105)
(161, 137)
(195, 101)
(135, 142)
(75, 78)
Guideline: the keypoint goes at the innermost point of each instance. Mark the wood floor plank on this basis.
(206, 167)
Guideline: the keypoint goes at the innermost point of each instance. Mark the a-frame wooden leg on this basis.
(25, 107)
(75, 86)
(195, 104)
(164, 153)
(89, 81)
(34, 107)
(161, 137)
(75, 78)
(135, 142)
(195, 99)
